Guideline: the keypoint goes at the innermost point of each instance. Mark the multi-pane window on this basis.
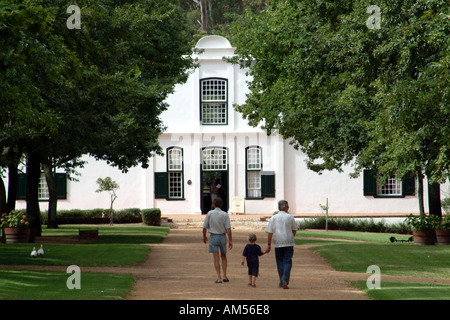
(175, 172)
(175, 185)
(392, 187)
(253, 170)
(213, 99)
(43, 193)
(214, 159)
(175, 157)
(254, 184)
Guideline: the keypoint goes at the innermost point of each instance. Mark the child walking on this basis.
(252, 251)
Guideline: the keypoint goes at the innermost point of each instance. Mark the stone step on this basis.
(251, 223)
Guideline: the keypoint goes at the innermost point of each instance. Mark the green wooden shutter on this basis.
(370, 183)
(21, 186)
(409, 186)
(61, 185)
(161, 185)
(268, 184)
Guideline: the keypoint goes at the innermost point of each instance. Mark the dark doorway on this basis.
(206, 178)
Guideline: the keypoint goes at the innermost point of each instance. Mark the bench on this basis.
(87, 234)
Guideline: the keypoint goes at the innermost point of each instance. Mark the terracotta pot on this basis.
(424, 237)
(15, 235)
(443, 237)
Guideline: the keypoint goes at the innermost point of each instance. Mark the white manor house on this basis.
(206, 138)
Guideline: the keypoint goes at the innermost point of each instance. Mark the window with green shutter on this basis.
(253, 167)
(161, 185)
(268, 184)
(393, 187)
(61, 185)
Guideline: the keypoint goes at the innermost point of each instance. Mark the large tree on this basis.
(329, 80)
(99, 90)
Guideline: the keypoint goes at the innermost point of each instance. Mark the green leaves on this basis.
(97, 90)
(349, 94)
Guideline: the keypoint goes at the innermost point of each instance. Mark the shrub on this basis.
(445, 204)
(349, 224)
(95, 216)
(131, 215)
(151, 217)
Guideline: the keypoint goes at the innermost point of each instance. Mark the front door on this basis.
(214, 166)
(221, 177)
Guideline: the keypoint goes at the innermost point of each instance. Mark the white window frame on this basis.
(175, 173)
(253, 167)
(392, 187)
(214, 159)
(214, 101)
(43, 192)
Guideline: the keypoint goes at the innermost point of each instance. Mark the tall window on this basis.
(214, 102)
(253, 170)
(175, 172)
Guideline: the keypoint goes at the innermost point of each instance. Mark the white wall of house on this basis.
(304, 189)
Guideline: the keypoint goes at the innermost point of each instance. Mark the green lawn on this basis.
(391, 290)
(117, 246)
(121, 245)
(398, 259)
(51, 285)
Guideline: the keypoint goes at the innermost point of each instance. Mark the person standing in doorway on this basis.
(282, 228)
(214, 190)
(217, 223)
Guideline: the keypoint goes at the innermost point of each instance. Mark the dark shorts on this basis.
(253, 268)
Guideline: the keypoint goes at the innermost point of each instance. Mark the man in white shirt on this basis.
(217, 223)
(282, 228)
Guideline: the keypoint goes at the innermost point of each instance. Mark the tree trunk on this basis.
(33, 175)
(204, 13)
(434, 199)
(420, 192)
(52, 222)
(12, 186)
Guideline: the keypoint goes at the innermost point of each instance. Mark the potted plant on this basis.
(423, 228)
(443, 230)
(16, 227)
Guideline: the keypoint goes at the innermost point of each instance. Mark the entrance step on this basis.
(237, 222)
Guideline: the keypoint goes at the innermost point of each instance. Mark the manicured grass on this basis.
(115, 234)
(77, 254)
(391, 290)
(117, 246)
(122, 245)
(399, 260)
(352, 235)
(51, 285)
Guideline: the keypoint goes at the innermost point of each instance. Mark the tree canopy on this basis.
(325, 79)
(348, 92)
(96, 90)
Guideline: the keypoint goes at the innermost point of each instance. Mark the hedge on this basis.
(99, 216)
(152, 217)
